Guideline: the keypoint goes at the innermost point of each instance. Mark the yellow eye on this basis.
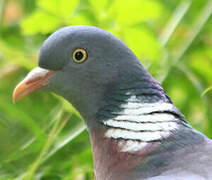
(79, 55)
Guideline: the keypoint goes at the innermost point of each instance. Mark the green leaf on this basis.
(60, 8)
(48, 16)
(143, 43)
(39, 22)
(127, 12)
(99, 8)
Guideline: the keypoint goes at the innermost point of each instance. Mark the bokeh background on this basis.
(43, 136)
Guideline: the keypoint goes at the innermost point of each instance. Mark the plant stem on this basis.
(194, 31)
(45, 149)
(174, 21)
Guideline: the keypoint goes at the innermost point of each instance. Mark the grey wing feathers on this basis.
(193, 166)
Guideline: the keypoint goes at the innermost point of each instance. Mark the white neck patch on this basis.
(138, 124)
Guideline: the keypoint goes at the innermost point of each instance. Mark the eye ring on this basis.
(79, 55)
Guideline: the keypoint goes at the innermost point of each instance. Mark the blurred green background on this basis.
(43, 137)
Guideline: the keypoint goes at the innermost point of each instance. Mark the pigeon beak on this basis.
(35, 80)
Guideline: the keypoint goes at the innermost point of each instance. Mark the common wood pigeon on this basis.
(135, 130)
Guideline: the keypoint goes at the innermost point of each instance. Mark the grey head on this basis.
(109, 64)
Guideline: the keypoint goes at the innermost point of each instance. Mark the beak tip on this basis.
(35, 80)
(18, 93)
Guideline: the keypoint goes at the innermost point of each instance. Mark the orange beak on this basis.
(35, 80)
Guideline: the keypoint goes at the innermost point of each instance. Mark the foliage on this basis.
(43, 136)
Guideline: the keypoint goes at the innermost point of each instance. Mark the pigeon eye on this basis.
(79, 55)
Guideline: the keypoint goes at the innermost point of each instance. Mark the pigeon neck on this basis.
(140, 115)
(133, 124)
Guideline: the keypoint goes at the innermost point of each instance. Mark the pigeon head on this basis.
(80, 63)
